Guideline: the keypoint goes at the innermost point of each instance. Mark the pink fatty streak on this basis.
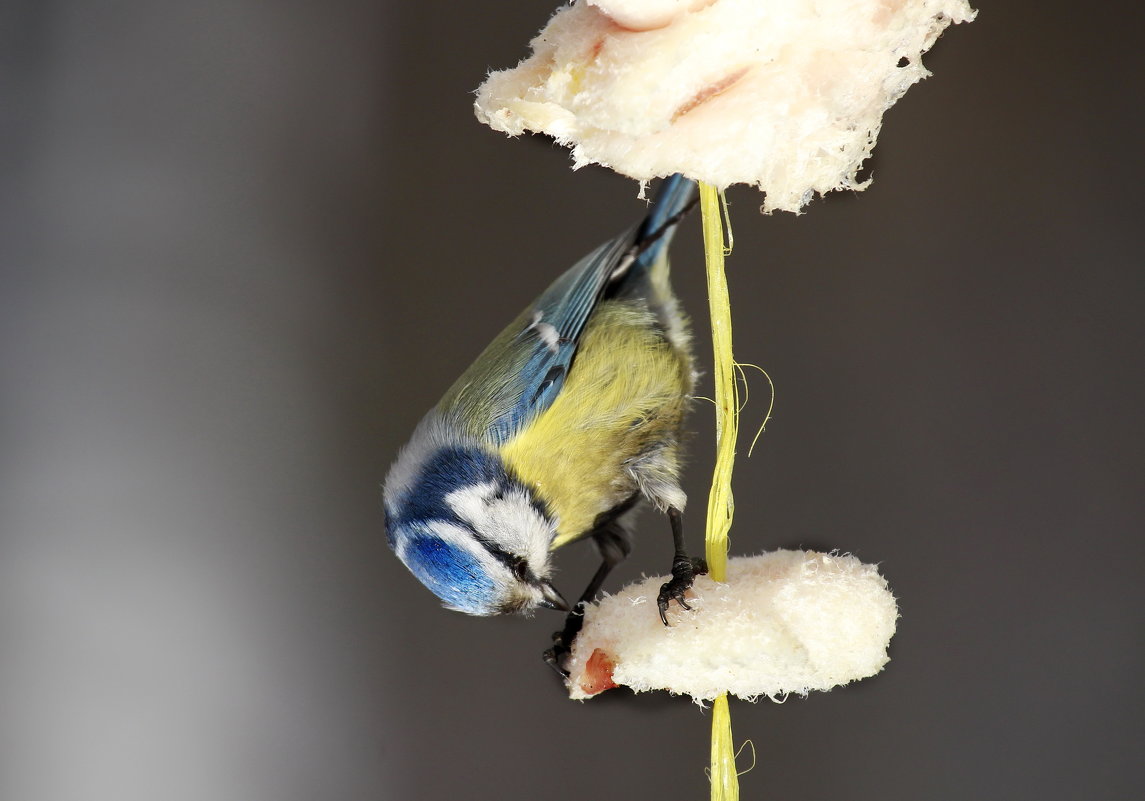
(708, 92)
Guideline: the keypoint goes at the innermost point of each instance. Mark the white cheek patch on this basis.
(524, 530)
(469, 502)
(511, 522)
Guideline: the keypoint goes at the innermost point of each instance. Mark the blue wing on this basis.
(521, 373)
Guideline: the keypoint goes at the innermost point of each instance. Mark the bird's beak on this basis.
(553, 599)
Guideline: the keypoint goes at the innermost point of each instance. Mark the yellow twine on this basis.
(725, 781)
(720, 503)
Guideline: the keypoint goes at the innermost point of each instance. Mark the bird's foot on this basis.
(684, 572)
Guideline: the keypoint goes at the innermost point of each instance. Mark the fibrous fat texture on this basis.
(787, 95)
(784, 622)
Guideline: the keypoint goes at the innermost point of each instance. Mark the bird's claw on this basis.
(684, 572)
(556, 656)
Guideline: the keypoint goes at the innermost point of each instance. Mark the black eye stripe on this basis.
(516, 564)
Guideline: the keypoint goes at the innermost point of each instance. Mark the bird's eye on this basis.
(520, 568)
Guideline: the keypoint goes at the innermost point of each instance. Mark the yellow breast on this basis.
(624, 397)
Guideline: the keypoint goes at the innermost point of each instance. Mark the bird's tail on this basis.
(674, 199)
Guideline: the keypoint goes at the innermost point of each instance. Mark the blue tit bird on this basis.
(568, 419)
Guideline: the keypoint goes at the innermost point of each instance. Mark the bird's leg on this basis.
(684, 568)
(612, 541)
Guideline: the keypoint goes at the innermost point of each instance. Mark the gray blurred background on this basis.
(244, 246)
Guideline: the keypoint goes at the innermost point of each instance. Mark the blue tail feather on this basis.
(674, 196)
